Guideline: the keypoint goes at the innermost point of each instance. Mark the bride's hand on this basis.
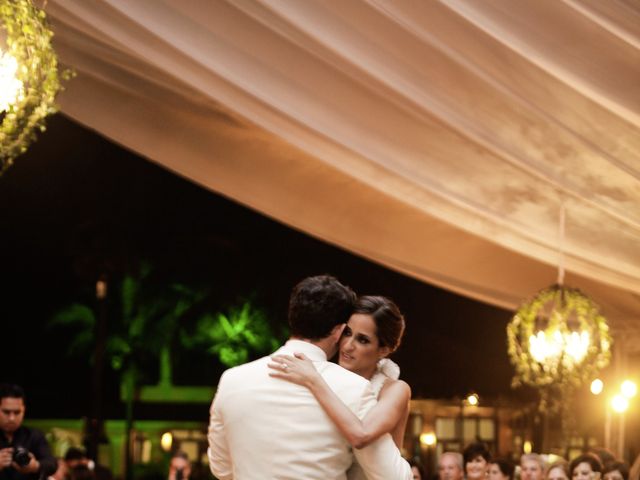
(297, 369)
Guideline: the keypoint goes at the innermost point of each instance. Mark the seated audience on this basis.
(605, 455)
(179, 467)
(77, 457)
(476, 461)
(81, 472)
(558, 470)
(450, 466)
(585, 467)
(61, 472)
(501, 469)
(417, 470)
(616, 471)
(531, 467)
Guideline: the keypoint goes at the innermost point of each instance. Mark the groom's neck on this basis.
(327, 345)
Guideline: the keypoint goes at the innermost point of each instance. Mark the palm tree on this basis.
(149, 319)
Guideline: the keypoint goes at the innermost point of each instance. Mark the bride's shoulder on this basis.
(332, 372)
(396, 388)
(389, 371)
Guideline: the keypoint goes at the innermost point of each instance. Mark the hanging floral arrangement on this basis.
(558, 341)
(29, 78)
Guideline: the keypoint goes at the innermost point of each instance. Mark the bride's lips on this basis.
(345, 356)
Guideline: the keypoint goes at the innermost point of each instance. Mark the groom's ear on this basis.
(336, 333)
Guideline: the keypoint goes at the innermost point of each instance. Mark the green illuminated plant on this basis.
(146, 319)
(233, 336)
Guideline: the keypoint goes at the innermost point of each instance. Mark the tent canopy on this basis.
(439, 138)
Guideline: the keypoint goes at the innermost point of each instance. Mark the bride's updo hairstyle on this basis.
(386, 314)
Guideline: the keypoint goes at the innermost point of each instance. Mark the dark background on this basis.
(76, 205)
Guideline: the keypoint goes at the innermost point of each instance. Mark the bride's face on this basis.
(359, 346)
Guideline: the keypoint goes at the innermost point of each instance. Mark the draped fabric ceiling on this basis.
(439, 138)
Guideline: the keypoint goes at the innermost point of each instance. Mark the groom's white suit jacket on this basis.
(263, 428)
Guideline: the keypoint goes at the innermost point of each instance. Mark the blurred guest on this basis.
(417, 470)
(476, 461)
(531, 467)
(501, 469)
(81, 472)
(616, 471)
(605, 455)
(450, 466)
(179, 467)
(77, 457)
(24, 452)
(558, 470)
(586, 467)
(62, 471)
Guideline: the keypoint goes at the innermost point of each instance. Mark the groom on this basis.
(263, 428)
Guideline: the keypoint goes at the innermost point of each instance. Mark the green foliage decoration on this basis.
(28, 40)
(559, 311)
(233, 336)
(146, 318)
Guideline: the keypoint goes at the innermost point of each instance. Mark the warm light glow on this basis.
(628, 389)
(596, 386)
(10, 86)
(541, 349)
(428, 439)
(473, 399)
(619, 403)
(549, 347)
(527, 447)
(101, 289)
(553, 458)
(577, 345)
(166, 441)
(146, 451)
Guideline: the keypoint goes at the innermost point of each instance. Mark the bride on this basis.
(372, 333)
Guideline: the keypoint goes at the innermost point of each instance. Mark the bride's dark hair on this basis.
(386, 314)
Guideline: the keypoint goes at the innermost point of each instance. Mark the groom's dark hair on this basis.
(317, 305)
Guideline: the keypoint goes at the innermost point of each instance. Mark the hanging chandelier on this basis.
(29, 80)
(558, 339)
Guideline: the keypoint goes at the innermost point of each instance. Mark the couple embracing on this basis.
(296, 416)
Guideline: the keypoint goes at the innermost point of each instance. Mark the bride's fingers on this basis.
(281, 358)
(301, 356)
(284, 359)
(282, 367)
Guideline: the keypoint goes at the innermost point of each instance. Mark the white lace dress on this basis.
(386, 369)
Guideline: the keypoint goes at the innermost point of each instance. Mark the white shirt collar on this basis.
(313, 352)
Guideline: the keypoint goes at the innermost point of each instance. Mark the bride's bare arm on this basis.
(391, 409)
